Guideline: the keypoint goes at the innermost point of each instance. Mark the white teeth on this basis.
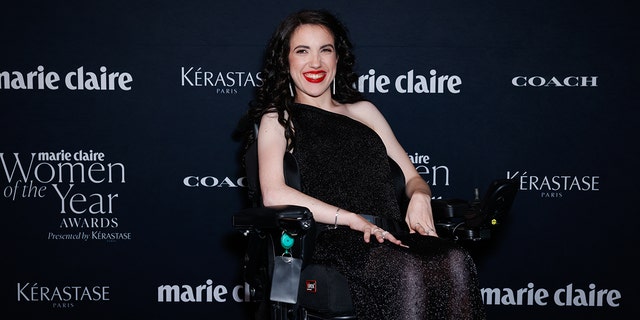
(314, 75)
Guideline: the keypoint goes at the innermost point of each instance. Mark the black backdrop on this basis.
(119, 172)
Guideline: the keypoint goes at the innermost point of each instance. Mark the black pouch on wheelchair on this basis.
(325, 291)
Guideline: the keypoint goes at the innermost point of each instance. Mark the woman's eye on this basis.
(301, 51)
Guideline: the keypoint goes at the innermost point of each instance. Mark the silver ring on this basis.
(384, 234)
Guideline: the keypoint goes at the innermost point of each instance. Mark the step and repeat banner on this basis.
(120, 171)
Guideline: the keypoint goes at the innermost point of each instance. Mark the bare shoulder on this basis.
(366, 112)
(362, 107)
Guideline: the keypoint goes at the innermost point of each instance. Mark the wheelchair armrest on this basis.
(264, 225)
(476, 220)
(293, 219)
(444, 209)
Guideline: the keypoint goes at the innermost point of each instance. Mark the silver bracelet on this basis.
(335, 221)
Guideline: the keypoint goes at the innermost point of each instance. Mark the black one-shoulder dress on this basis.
(344, 163)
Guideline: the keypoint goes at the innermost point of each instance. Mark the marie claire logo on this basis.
(66, 296)
(571, 295)
(567, 81)
(78, 79)
(206, 292)
(225, 82)
(434, 174)
(412, 81)
(555, 186)
(84, 215)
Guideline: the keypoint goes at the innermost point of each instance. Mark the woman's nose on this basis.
(315, 60)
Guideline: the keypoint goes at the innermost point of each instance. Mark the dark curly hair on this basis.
(274, 95)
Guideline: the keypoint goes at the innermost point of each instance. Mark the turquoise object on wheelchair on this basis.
(286, 241)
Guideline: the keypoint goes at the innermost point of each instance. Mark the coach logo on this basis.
(570, 81)
(210, 182)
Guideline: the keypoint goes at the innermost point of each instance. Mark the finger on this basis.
(377, 233)
(431, 232)
(393, 240)
(382, 235)
(368, 232)
(420, 228)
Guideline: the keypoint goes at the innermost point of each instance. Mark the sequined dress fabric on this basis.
(344, 163)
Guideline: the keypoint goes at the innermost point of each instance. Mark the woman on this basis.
(309, 107)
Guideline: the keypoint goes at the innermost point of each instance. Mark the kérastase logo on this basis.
(224, 82)
(64, 296)
(555, 186)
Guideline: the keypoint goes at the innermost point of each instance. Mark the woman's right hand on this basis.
(369, 229)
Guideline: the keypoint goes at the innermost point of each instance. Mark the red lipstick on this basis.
(314, 76)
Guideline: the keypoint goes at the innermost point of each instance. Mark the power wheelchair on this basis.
(323, 293)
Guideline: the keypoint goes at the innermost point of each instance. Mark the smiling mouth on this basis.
(315, 77)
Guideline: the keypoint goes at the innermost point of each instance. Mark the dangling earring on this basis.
(333, 86)
(291, 90)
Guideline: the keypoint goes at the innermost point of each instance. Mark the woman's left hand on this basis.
(419, 216)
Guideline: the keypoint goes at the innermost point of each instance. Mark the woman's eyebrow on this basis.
(304, 46)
